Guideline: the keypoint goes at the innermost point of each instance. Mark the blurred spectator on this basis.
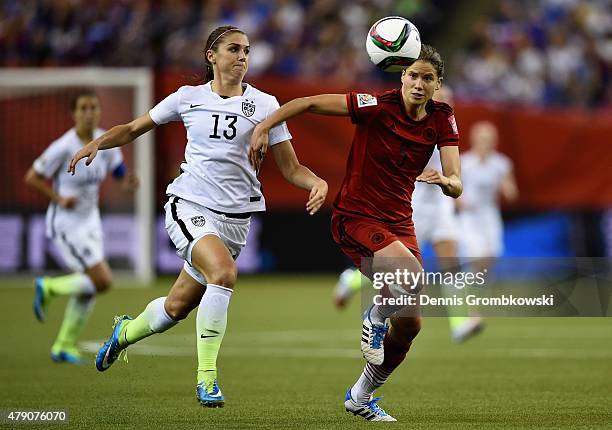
(553, 52)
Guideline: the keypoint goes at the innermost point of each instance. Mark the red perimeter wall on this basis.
(563, 159)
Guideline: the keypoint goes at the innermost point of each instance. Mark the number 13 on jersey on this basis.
(226, 125)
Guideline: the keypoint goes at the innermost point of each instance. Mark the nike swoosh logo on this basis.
(105, 359)
(193, 106)
(204, 337)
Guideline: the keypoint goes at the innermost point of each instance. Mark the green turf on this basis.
(288, 358)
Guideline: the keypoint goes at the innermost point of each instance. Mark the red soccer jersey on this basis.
(389, 151)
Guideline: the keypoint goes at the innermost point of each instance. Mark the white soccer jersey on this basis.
(84, 184)
(216, 172)
(482, 179)
(430, 196)
(433, 212)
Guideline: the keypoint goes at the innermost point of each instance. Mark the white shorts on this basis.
(187, 222)
(82, 248)
(481, 234)
(435, 223)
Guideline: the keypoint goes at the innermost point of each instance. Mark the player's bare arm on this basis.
(450, 178)
(119, 135)
(509, 189)
(40, 184)
(324, 104)
(300, 176)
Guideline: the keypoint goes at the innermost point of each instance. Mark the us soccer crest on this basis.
(248, 107)
(198, 221)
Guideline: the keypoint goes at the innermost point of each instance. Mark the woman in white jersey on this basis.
(209, 206)
(487, 175)
(73, 224)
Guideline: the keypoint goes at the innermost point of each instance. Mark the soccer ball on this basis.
(393, 43)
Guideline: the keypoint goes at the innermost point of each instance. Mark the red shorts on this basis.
(361, 237)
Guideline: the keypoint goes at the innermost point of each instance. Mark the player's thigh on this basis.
(184, 296)
(361, 239)
(211, 257)
(472, 242)
(208, 242)
(446, 225)
(393, 256)
(445, 248)
(446, 252)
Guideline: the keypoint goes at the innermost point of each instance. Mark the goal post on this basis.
(16, 82)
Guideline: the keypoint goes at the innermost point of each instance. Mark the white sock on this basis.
(153, 319)
(378, 314)
(159, 320)
(371, 378)
(212, 312)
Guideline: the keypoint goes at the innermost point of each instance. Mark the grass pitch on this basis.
(288, 358)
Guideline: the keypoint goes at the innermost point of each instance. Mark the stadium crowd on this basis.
(549, 51)
(552, 52)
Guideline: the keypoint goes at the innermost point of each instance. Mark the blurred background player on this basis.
(487, 175)
(210, 203)
(372, 216)
(73, 223)
(435, 223)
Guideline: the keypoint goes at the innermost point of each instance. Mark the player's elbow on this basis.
(307, 103)
(131, 130)
(289, 172)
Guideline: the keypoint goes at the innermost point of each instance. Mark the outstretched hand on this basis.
(259, 147)
(90, 150)
(318, 193)
(432, 176)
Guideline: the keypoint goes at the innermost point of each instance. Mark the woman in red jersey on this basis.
(395, 135)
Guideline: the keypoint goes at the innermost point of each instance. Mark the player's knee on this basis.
(103, 283)
(177, 309)
(224, 276)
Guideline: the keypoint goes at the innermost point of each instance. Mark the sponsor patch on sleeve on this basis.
(453, 123)
(364, 100)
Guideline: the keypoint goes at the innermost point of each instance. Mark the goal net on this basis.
(34, 111)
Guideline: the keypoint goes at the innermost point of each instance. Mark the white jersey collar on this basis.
(247, 90)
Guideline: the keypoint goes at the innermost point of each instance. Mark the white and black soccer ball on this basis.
(393, 43)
